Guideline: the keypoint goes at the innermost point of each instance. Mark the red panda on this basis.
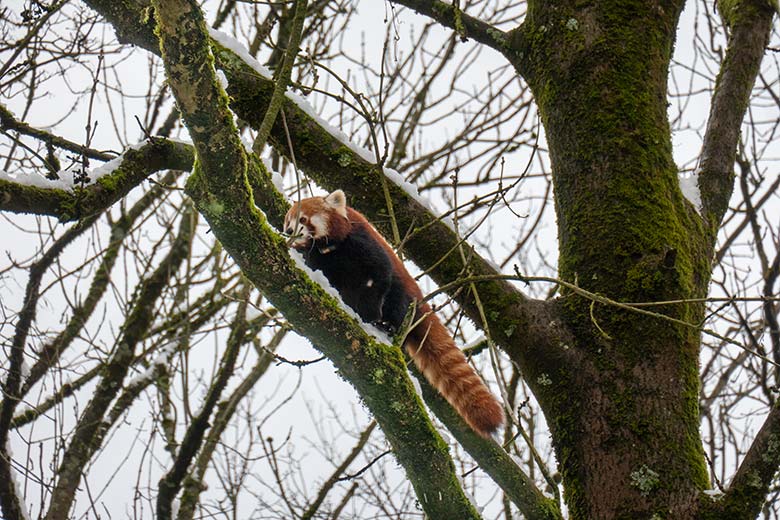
(372, 280)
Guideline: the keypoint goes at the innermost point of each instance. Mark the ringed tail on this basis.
(445, 366)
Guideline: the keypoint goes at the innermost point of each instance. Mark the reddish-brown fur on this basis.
(429, 343)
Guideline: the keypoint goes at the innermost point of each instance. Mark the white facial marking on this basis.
(299, 231)
(370, 283)
(320, 226)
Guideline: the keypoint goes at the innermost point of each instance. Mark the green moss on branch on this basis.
(221, 190)
(135, 167)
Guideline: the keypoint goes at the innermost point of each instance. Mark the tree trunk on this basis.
(624, 416)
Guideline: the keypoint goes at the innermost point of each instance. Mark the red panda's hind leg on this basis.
(396, 305)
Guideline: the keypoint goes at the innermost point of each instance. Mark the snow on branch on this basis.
(78, 191)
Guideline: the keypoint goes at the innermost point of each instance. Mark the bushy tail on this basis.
(445, 367)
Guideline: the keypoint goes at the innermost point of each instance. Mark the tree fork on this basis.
(629, 443)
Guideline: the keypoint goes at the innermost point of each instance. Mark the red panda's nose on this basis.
(289, 231)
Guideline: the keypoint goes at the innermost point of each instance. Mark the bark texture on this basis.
(624, 417)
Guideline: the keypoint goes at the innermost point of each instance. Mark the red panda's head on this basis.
(318, 218)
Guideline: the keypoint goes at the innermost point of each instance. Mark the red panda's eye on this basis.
(303, 220)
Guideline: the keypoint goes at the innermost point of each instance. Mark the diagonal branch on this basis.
(218, 185)
(748, 490)
(449, 15)
(750, 22)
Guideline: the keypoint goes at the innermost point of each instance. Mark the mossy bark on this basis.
(221, 189)
(625, 418)
(84, 201)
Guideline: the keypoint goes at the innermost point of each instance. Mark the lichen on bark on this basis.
(625, 232)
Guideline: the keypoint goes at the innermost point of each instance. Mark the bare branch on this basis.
(750, 22)
(328, 485)
(82, 444)
(450, 15)
(9, 122)
(171, 482)
(11, 386)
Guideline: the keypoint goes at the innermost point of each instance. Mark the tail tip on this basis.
(487, 420)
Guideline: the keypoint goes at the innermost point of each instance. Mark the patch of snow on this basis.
(252, 313)
(142, 378)
(222, 79)
(172, 139)
(411, 190)
(276, 177)
(39, 181)
(476, 341)
(689, 185)
(162, 359)
(238, 48)
(417, 387)
(106, 168)
(278, 181)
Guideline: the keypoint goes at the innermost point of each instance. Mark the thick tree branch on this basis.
(750, 22)
(134, 166)
(219, 187)
(748, 490)
(130, 20)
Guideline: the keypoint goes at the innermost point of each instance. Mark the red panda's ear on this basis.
(338, 201)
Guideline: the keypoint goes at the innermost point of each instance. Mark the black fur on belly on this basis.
(361, 271)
